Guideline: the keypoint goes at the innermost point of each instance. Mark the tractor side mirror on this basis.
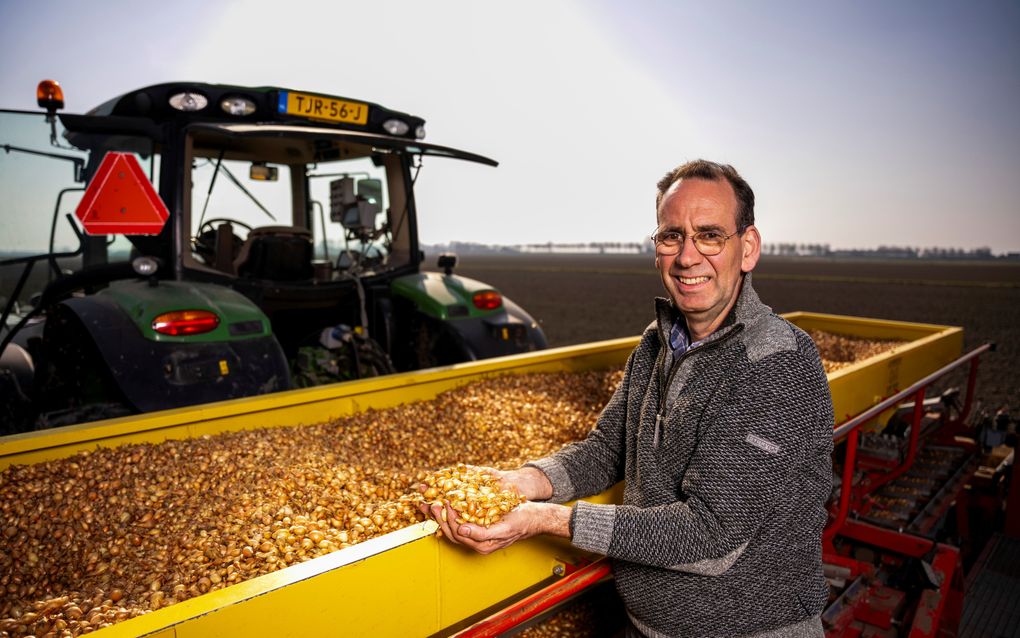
(261, 172)
(447, 261)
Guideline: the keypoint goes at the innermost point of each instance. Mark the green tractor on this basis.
(280, 252)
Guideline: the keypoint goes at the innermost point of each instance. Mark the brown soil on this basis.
(582, 298)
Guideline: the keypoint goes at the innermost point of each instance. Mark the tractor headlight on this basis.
(396, 127)
(237, 105)
(188, 101)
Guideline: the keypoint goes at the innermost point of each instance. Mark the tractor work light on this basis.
(144, 266)
(181, 323)
(419, 133)
(237, 105)
(49, 95)
(188, 101)
(396, 127)
(487, 300)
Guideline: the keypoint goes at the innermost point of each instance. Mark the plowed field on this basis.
(580, 298)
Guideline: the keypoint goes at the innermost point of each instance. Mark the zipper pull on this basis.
(655, 433)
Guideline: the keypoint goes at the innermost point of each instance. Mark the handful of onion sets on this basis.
(474, 494)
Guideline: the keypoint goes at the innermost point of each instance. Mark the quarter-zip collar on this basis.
(748, 309)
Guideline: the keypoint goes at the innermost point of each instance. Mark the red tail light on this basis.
(487, 300)
(185, 322)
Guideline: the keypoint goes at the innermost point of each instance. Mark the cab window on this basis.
(306, 208)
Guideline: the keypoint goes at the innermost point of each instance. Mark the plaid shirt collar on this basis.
(672, 328)
(679, 340)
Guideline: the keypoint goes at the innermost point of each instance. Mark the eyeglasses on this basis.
(707, 242)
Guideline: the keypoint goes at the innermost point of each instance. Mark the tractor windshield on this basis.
(44, 169)
(298, 207)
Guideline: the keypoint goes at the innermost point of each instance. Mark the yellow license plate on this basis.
(317, 107)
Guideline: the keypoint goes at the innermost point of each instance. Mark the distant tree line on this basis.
(603, 248)
(780, 249)
(884, 252)
(595, 247)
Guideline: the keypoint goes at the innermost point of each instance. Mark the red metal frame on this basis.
(947, 435)
(846, 491)
(938, 611)
(875, 482)
(971, 382)
(898, 542)
(855, 566)
(523, 611)
(851, 495)
(1012, 527)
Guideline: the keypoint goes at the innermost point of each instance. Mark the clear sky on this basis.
(857, 123)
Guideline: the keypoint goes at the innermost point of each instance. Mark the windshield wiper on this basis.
(237, 183)
(79, 163)
(212, 182)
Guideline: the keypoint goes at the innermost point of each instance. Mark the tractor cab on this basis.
(286, 219)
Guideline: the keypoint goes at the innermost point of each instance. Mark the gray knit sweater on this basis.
(725, 456)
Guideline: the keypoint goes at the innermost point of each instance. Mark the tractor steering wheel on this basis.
(216, 221)
(205, 239)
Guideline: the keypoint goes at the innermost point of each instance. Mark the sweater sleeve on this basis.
(738, 474)
(595, 464)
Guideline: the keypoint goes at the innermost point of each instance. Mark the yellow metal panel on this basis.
(391, 594)
(344, 593)
(926, 348)
(407, 583)
(864, 327)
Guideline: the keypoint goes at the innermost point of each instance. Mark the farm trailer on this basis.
(410, 583)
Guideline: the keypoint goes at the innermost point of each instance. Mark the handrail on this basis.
(915, 437)
(882, 406)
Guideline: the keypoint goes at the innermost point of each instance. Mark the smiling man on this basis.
(721, 431)
(701, 278)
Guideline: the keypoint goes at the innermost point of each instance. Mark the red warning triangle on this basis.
(120, 200)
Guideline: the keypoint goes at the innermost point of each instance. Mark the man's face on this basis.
(703, 287)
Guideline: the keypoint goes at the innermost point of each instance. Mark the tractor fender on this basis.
(536, 335)
(446, 302)
(18, 361)
(511, 330)
(157, 375)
